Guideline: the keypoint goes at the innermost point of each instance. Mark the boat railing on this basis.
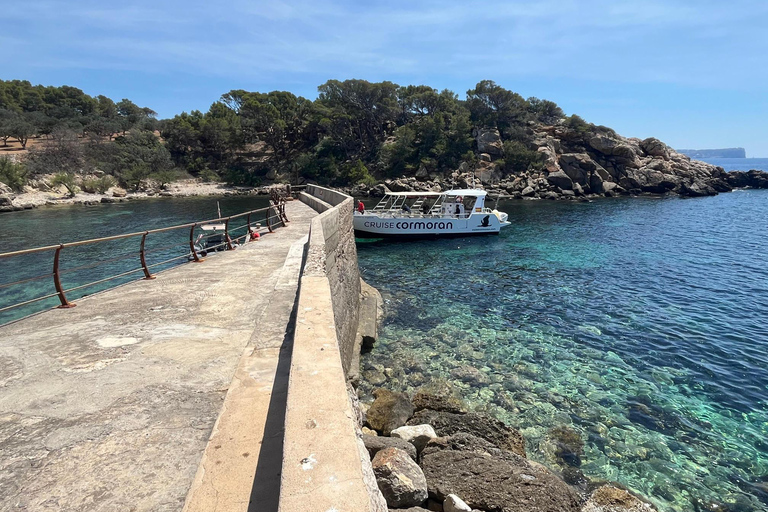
(155, 250)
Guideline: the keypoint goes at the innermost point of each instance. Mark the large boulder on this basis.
(612, 499)
(485, 427)
(578, 167)
(560, 180)
(653, 181)
(654, 147)
(388, 411)
(6, 199)
(490, 479)
(417, 435)
(489, 141)
(374, 444)
(400, 479)
(697, 189)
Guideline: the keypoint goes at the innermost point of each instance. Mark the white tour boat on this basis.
(430, 214)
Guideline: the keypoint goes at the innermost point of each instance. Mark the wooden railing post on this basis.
(147, 274)
(57, 281)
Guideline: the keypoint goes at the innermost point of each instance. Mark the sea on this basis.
(739, 164)
(639, 324)
(87, 264)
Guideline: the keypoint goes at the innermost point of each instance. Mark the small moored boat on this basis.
(430, 214)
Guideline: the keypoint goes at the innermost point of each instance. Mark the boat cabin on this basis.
(453, 203)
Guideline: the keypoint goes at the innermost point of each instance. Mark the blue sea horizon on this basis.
(738, 164)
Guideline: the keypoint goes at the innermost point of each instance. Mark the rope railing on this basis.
(198, 248)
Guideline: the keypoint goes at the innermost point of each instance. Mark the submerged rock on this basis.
(485, 427)
(400, 479)
(389, 410)
(491, 479)
(437, 401)
(564, 446)
(612, 499)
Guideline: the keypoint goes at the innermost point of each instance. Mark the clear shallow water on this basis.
(640, 323)
(52, 225)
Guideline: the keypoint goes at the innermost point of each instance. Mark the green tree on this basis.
(493, 106)
(13, 174)
(67, 180)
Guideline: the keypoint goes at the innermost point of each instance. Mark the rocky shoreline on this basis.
(579, 165)
(429, 454)
(40, 193)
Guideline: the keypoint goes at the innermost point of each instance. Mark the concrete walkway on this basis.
(110, 406)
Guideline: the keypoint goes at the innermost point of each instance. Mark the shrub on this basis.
(358, 173)
(577, 124)
(66, 180)
(135, 176)
(97, 185)
(208, 175)
(164, 177)
(518, 158)
(13, 174)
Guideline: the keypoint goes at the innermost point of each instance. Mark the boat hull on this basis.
(374, 226)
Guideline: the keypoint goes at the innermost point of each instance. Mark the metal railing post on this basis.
(147, 273)
(285, 215)
(248, 221)
(226, 234)
(269, 222)
(57, 281)
(197, 258)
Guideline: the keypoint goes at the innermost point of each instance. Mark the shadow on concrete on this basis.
(265, 492)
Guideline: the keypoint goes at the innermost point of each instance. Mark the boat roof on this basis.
(459, 192)
(213, 227)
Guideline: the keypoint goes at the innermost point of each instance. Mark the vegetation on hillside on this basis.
(355, 131)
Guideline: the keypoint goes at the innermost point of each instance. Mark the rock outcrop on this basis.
(485, 427)
(489, 141)
(582, 165)
(491, 479)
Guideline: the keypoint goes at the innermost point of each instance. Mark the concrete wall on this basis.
(325, 464)
(332, 253)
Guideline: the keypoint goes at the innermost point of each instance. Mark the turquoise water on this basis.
(639, 323)
(52, 225)
(739, 164)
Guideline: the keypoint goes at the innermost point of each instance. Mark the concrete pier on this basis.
(157, 395)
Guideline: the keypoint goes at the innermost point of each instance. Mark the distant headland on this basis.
(715, 153)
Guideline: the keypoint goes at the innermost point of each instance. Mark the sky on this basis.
(693, 73)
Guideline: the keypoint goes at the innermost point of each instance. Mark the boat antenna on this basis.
(218, 209)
